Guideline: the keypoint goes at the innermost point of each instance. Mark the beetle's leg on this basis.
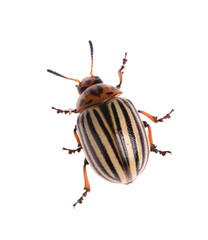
(87, 185)
(120, 73)
(69, 111)
(76, 136)
(155, 119)
(153, 148)
(70, 151)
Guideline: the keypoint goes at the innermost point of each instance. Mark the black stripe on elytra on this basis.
(108, 117)
(104, 109)
(130, 132)
(121, 137)
(101, 146)
(108, 135)
(142, 137)
(87, 142)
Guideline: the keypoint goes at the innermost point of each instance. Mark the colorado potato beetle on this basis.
(110, 131)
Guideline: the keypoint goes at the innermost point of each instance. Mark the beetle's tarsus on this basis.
(69, 111)
(154, 149)
(165, 117)
(87, 185)
(155, 119)
(70, 151)
(80, 200)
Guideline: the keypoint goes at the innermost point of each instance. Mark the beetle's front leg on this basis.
(120, 73)
(87, 185)
(153, 148)
(70, 151)
(155, 119)
(69, 111)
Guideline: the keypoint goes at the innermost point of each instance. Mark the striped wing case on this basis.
(114, 140)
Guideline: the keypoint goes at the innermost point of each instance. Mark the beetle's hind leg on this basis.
(153, 148)
(70, 151)
(86, 187)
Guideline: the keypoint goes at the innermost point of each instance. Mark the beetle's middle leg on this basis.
(155, 119)
(70, 151)
(153, 148)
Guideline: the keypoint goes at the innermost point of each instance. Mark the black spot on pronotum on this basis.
(89, 101)
(100, 89)
(93, 93)
(81, 102)
(109, 93)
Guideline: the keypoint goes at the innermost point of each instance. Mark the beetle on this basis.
(110, 130)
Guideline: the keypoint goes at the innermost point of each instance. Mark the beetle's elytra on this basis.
(110, 131)
(114, 140)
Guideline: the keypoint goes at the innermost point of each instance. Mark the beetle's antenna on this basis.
(91, 52)
(58, 74)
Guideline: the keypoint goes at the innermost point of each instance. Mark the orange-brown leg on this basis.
(120, 73)
(87, 185)
(155, 119)
(153, 148)
(70, 151)
(69, 111)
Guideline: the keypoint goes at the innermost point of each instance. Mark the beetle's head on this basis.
(86, 82)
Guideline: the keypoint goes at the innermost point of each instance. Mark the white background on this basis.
(167, 50)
